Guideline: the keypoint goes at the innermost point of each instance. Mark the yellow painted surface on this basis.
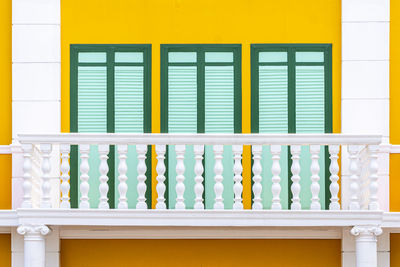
(5, 250)
(5, 102)
(186, 21)
(200, 253)
(394, 104)
(394, 250)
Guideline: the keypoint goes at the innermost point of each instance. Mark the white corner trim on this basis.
(5, 149)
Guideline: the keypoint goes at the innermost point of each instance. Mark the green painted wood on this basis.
(127, 108)
(214, 72)
(309, 107)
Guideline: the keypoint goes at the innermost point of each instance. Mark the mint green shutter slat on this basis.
(219, 99)
(273, 103)
(182, 99)
(129, 93)
(310, 95)
(310, 118)
(273, 118)
(129, 99)
(219, 118)
(92, 99)
(182, 118)
(92, 117)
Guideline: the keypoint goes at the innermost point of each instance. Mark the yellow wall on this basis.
(205, 253)
(5, 250)
(209, 21)
(5, 102)
(394, 104)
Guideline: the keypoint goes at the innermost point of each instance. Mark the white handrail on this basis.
(200, 139)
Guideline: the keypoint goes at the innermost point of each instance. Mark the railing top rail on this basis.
(207, 139)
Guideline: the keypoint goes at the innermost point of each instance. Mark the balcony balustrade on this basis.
(359, 153)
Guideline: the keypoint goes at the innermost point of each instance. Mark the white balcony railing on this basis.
(359, 151)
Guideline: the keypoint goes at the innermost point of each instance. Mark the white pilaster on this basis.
(34, 244)
(365, 78)
(366, 245)
(36, 93)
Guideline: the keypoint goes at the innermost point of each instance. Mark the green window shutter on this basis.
(219, 99)
(200, 85)
(129, 104)
(273, 103)
(291, 85)
(310, 99)
(92, 99)
(182, 99)
(110, 92)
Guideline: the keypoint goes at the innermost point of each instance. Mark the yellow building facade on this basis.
(193, 22)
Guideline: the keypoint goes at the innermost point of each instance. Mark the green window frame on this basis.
(111, 50)
(201, 64)
(291, 64)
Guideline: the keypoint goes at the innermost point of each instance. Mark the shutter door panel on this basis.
(273, 118)
(219, 118)
(129, 112)
(129, 99)
(310, 94)
(310, 118)
(182, 118)
(92, 117)
(92, 99)
(182, 99)
(273, 99)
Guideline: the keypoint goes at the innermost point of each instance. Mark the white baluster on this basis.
(141, 169)
(160, 150)
(373, 177)
(354, 177)
(103, 169)
(276, 179)
(84, 168)
(122, 178)
(218, 178)
(27, 167)
(315, 188)
(198, 170)
(257, 187)
(334, 170)
(295, 168)
(45, 202)
(237, 169)
(180, 178)
(65, 149)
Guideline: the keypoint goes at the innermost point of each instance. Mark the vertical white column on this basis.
(237, 169)
(257, 169)
(160, 150)
(34, 244)
(276, 179)
(334, 178)
(65, 149)
(315, 188)
(103, 169)
(36, 84)
(180, 177)
(141, 177)
(295, 168)
(84, 178)
(366, 245)
(45, 150)
(198, 170)
(122, 178)
(218, 178)
(27, 185)
(365, 78)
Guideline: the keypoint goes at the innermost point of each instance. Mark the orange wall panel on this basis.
(200, 253)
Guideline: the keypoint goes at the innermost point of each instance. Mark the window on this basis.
(201, 93)
(291, 88)
(110, 93)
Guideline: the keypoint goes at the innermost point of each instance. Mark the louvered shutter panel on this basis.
(310, 118)
(182, 99)
(273, 99)
(129, 99)
(310, 95)
(92, 99)
(219, 99)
